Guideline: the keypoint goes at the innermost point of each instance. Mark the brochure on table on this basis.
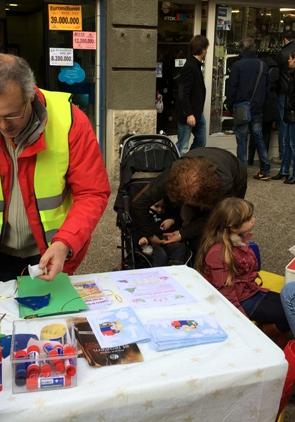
(151, 288)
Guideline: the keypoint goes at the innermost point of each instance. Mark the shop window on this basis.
(80, 78)
(234, 23)
(175, 29)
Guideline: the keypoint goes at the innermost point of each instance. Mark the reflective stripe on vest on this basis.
(53, 197)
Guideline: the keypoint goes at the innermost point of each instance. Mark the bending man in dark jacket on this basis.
(241, 84)
(194, 184)
(191, 95)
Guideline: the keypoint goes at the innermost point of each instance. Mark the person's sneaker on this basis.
(280, 176)
(276, 160)
(261, 176)
(290, 181)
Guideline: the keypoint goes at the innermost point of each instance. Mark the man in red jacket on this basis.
(54, 187)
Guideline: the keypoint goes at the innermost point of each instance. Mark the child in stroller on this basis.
(142, 159)
(154, 247)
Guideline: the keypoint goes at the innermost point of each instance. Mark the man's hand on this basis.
(166, 224)
(172, 237)
(53, 260)
(191, 120)
(155, 240)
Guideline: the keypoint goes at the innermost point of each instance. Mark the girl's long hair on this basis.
(228, 214)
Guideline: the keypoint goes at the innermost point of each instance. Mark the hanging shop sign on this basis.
(64, 17)
(61, 56)
(84, 40)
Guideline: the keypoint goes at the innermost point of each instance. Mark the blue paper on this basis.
(34, 302)
(20, 342)
(174, 333)
(117, 327)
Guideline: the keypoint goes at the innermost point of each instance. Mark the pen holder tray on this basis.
(48, 357)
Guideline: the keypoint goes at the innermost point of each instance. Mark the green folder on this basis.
(64, 298)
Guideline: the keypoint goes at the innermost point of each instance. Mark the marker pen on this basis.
(70, 364)
(20, 368)
(33, 353)
(58, 364)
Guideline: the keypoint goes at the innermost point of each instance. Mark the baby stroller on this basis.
(142, 158)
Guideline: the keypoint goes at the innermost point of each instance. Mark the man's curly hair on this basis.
(194, 182)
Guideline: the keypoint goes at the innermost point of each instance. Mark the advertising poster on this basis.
(61, 56)
(64, 17)
(223, 18)
(84, 40)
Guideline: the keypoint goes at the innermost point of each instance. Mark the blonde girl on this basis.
(227, 261)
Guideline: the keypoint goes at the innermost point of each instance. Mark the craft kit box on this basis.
(43, 355)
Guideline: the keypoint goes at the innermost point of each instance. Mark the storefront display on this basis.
(175, 29)
(233, 23)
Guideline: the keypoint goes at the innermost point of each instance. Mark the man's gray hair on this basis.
(17, 69)
(248, 44)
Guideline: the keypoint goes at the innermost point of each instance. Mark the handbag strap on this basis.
(257, 80)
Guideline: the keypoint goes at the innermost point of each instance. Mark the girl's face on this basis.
(291, 62)
(246, 227)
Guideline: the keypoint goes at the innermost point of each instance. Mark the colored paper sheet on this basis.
(65, 17)
(63, 297)
(84, 40)
(91, 294)
(174, 333)
(116, 327)
(151, 288)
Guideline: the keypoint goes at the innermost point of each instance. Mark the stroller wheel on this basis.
(141, 261)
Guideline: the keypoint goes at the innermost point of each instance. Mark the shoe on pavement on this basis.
(280, 176)
(290, 181)
(261, 176)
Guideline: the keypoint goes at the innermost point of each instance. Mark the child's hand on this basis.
(143, 241)
(167, 224)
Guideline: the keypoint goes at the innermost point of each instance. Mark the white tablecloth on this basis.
(239, 380)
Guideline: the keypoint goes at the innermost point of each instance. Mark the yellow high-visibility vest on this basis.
(52, 195)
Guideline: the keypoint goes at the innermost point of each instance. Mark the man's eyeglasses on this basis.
(20, 116)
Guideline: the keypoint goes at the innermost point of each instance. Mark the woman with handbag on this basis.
(289, 118)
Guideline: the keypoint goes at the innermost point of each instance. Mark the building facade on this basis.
(115, 55)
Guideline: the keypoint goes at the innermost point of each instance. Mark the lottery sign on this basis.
(64, 17)
(61, 57)
(84, 40)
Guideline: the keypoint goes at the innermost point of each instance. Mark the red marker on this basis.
(70, 364)
(33, 353)
(45, 370)
(58, 364)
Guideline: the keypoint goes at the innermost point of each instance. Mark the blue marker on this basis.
(20, 368)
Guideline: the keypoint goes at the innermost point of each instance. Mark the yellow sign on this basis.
(65, 17)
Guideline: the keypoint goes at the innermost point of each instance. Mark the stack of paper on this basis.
(182, 332)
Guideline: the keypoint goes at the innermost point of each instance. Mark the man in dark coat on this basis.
(192, 187)
(191, 95)
(243, 78)
(287, 49)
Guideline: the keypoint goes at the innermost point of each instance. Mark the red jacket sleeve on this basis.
(88, 182)
(218, 273)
